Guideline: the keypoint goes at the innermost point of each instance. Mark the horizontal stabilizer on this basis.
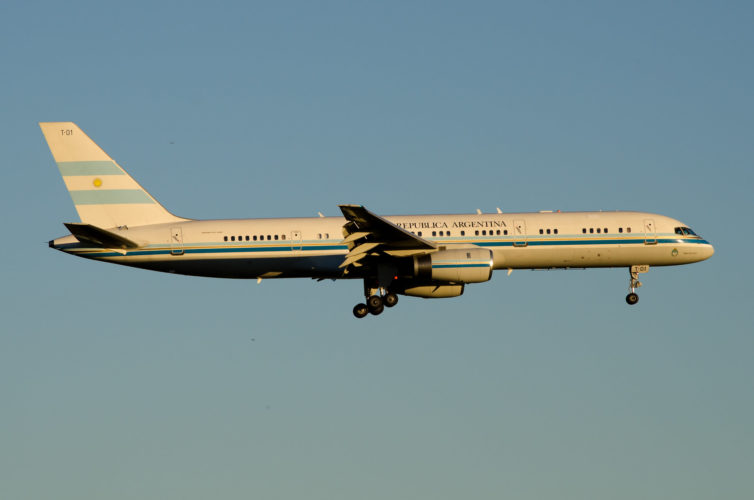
(86, 233)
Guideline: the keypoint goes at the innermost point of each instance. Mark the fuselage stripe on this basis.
(188, 249)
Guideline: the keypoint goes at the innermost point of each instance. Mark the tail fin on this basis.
(103, 193)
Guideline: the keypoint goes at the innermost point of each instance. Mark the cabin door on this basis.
(650, 232)
(519, 233)
(176, 241)
(296, 240)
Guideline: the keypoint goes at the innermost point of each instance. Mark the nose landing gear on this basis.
(632, 298)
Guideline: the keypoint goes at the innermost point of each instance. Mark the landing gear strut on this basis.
(632, 298)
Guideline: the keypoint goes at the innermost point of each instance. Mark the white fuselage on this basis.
(313, 247)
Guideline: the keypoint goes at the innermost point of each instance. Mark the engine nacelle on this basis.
(462, 265)
(434, 291)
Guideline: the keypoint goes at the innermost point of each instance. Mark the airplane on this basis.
(429, 256)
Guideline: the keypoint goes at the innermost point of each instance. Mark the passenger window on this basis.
(555, 231)
(434, 233)
(583, 230)
(548, 231)
(247, 237)
(282, 236)
(327, 236)
(463, 233)
(591, 230)
(605, 230)
(620, 229)
(628, 229)
(541, 231)
(269, 237)
(254, 237)
(232, 238)
(476, 233)
(420, 233)
(505, 232)
(598, 230)
(276, 237)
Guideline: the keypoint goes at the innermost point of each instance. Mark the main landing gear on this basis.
(632, 298)
(375, 303)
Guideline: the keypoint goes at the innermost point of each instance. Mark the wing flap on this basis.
(363, 248)
(355, 236)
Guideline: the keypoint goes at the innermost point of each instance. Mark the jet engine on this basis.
(456, 266)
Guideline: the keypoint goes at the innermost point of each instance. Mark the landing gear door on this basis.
(519, 233)
(650, 232)
(176, 241)
(296, 240)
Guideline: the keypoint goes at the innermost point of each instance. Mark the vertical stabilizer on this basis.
(103, 193)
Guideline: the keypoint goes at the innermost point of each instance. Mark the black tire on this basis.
(360, 310)
(378, 311)
(374, 302)
(632, 299)
(390, 299)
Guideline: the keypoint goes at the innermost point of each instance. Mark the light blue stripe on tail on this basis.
(110, 197)
(69, 168)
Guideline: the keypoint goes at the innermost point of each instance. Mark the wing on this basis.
(368, 234)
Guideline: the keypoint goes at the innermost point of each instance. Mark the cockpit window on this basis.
(685, 231)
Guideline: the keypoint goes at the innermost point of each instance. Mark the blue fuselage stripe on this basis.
(188, 250)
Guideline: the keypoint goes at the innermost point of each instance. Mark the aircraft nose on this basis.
(704, 251)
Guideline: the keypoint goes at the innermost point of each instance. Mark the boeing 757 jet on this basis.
(430, 256)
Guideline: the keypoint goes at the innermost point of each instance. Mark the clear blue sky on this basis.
(119, 383)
